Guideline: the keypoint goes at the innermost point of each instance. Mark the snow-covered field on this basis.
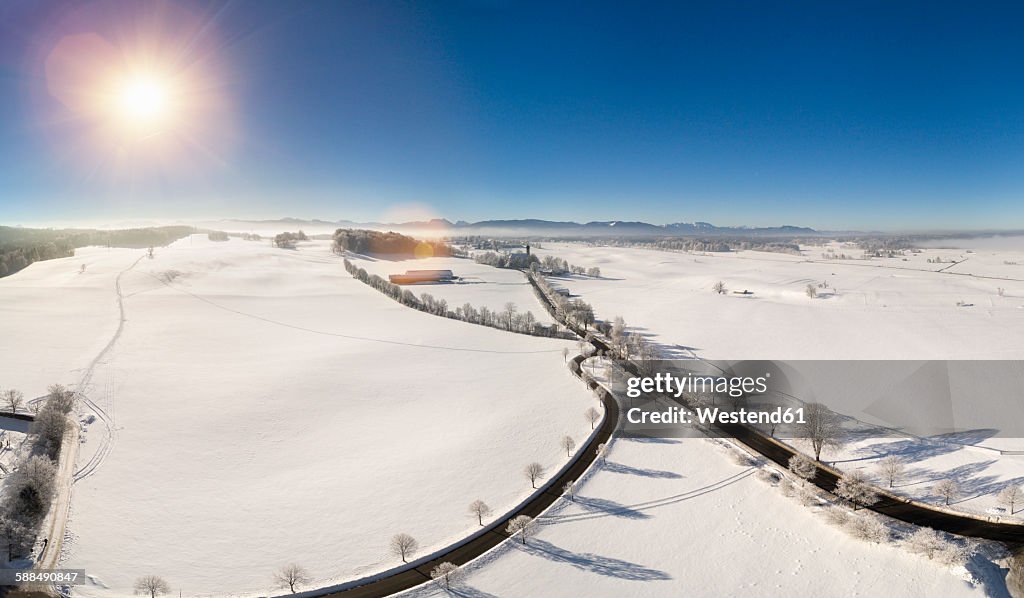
(259, 406)
(883, 308)
(267, 408)
(55, 319)
(678, 517)
(874, 309)
(481, 285)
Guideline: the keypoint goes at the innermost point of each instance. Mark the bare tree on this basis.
(568, 444)
(534, 471)
(891, 467)
(404, 546)
(446, 575)
(525, 526)
(290, 576)
(565, 353)
(602, 452)
(719, 287)
(802, 467)
(855, 488)
(570, 490)
(811, 291)
(1010, 496)
(14, 399)
(152, 585)
(948, 489)
(480, 509)
(592, 415)
(510, 314)
(821, 428)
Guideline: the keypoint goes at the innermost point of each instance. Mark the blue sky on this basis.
(860, 115)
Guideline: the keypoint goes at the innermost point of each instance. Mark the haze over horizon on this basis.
(867, 117)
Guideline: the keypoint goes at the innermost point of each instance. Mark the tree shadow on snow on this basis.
(613, 467)
(609, 507)
(967, 437)
(910, 450)
(649, 440)
(470, 592)
(593, 563)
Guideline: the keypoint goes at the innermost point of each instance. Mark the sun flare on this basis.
(143, 101)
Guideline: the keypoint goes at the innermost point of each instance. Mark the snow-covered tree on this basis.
(837, 516)
(891, 468)
(49, 426)
(290, 576)
(568, 444)
(18, 534)
(570, 490)
(525, 526)
(806, 495)
(925, 541)
(719, 287)
(152, 585)
(802, 467)
(821, 428)
(811, 291)
(480, 509)
(61, 398)
(867, 527)
(593, 416)
(533, 472)
(446, 575)
(947, 489)
(934, 545)
(1010, 497)
(404, 546)
(855, 488)
(602, 452)
(29, 490)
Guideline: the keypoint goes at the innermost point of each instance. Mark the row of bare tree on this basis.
(509, 318)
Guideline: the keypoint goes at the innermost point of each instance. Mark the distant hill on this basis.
(544, 228)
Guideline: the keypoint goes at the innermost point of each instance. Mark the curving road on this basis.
(495, 535)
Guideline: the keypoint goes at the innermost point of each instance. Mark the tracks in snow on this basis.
(107, 442)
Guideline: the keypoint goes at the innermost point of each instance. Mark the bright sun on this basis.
(143, 101)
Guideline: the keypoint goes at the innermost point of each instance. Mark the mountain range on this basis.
(536, 227)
